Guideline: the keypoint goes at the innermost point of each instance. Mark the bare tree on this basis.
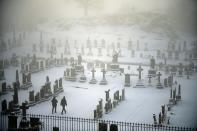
(88, 4)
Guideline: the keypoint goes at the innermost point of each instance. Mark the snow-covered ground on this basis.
(140, 103)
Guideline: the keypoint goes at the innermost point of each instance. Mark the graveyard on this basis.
(106, 72)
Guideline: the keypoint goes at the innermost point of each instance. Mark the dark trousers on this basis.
(54, 108)
(63, 109)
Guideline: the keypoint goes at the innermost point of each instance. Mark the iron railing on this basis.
(62, 123)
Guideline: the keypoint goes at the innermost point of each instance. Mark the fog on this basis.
(24, 12)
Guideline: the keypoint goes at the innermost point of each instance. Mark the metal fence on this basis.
(59, 123)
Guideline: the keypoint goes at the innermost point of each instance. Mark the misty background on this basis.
(149, 14)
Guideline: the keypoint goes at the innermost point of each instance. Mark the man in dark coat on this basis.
(63, 104)
(54, 104)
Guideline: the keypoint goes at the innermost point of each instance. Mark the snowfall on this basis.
(140, 103)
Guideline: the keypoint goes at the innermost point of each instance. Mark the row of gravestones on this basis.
(26, 83)
(39, 65)
(175, 97)
(13, 105)
(12, 43)
(13, 61)
(45, 92)
(109, 105)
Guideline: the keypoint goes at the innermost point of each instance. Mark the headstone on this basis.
(127, 80)
(114, 64)
(184, 46)
(123, 94)
(103, 81)
(138, 46)
(24, 122)
(113, 127)
(159, 85)
(4, 106)
(107, 95)
(152, 70)
(99, 51)
(12, 122)
(31, 96)
(103, 43)
(60, 82)
(166, 82)
(93, 80)
(178, 97)
(4, 87)
(149, 80)
(139, 82)
(16, 108)
(2, 74)
(129, 45)
(102, 127)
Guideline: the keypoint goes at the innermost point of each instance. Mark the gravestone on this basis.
(70, 74)
(24, 123)
(185, 46)
(82, 77)
(4, 106)
(95, 44)
(123, 94)
(2, 74)
(113, 127)
(31, 96)
(139, 82)
(159, 85)
(114, 64)
(108, 106)
(93, 80)
(152, 70)
(79, 67)
(4, 87)
(103, 43)
(102, 127)
(37, 97)
(178, 97)
(103, 81)
(138, 45)
(180, 70)
(127, 80)
(176, 55)
(60, 82)
(149, 80)
(132, 53)
(90, 51)
(99, 51)
(129, 44)
(82, 50)
(158, 54)
(16, 108)
(166, 69)
(166, 82)
(107, 95)
(41, 43)
(12, 122)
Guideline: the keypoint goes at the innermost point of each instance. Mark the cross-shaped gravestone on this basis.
(159, 77)
(104, 72)
(24, 108)
(140, 71)
(93, 71)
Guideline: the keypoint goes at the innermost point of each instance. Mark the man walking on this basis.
(54, 104)
(63, 104)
